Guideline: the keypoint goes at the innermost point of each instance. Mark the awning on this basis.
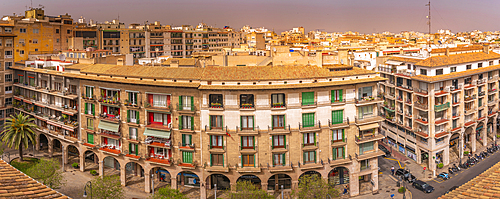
(368, 126)
(157, 133)
(108, 126)
(397, 63)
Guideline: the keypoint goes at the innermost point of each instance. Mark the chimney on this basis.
(447, 52)
(119, 62)
(486, 49)
(174, 63)
(401, 51)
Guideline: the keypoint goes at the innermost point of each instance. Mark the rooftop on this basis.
(444, 60)
(458, 49)
(14, 183)
(455, 75)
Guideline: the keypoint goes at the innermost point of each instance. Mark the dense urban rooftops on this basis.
(444, 60)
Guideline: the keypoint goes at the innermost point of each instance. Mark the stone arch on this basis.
(91, 160)
(73, 154)
(43, 142)
(57, 147)
(111, 165)
(275, 181)
(134, 173)
(255, 180)
(162, 177)
(219, 179)
(339, 175)
(188, 178)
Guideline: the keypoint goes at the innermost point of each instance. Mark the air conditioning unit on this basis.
(452, 87)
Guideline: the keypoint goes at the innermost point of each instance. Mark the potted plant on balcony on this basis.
(278, 105)
(93, 172)
(216, 105)
(75, 165)
(126, 102)
(246, 105)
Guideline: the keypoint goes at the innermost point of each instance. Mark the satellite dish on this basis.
(62, 57)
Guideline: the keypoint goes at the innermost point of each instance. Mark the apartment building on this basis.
(438, 107)
(195, 127)
(7, 58)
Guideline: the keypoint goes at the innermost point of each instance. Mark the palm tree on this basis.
(17, 130)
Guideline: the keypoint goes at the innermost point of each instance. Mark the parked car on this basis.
(422, 186)
(451, 189)
(444, 176)
(387, 152)
(406, 175)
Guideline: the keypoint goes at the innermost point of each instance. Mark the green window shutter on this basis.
(135, 97)
(332, 96)
(283, 157)
(343, 136)
(180, 102)
(307, 98)
(222, 121)
(273, 159)
(183, 139)
(253, 123)
(128, 115)
(241, 141)
(343, 152)
(136, 149)
(242, 161)
(334, 153)
(222, 159)
(180, 122)
(272, 122)
(304, 139)
(130, 97)
(314, 156)
(190, 139)
(86, 104)
(340, 94)
(210, 122)
(210, 141)
(284, 141)
(137, 117)
(129, 148)
(222, 138)
(254, 160)
(93, 109)
(304, 154)
(211, 162)
(253, 140)
(314, 139)
(192, 123)
(284, 122)
(192, 103)
(241, 123)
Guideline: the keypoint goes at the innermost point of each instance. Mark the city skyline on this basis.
(330, 16)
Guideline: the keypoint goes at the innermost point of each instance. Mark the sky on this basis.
(364, 16)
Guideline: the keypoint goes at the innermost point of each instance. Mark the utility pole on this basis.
(429, 22)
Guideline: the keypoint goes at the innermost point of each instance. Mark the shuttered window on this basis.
(338, 153)
(308, 98)
(308, 119)
(337, 96)
(337, 116)
(187, 157)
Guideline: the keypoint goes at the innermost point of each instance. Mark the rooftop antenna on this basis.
(429, 22)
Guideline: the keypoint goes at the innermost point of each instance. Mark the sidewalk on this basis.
(404, 162)
(387, 187)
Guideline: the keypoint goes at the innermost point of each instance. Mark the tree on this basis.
(107, 187)
(18, 129)
(245, 189)
(47, 171)
(168, 193)
(313, 186)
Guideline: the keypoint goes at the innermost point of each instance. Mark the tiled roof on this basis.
(182, 61)
(485, 185)
(252, 73)
(405, 59)
(456, 74)
(458, 49)
(154, 72)
(444, 60)
(15, 184)
(336, 66)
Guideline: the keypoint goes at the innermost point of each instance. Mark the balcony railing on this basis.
(421, 105)
(303, 126)
(186, 107)
(278, 105)
(455, 88)
(337, 122)
(469, 97)
(421, 91)
(279, 128)
(481, 81)
(482, 93)
(216, 105)
(406, 72)
(246, 106)
(442, 107)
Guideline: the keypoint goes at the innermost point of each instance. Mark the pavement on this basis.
(387, 188)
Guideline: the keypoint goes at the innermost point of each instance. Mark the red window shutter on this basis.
(151, 150)
(151, 117)
(105, 140)
(169, 118)
(150, 99)
(105, 109)
(119, 143)
(168, 100)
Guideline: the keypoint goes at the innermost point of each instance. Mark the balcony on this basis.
(421, 105)
(406, 72)
(440, 121)
(438, 93)
(163, 127)
(162, 109)
(248, 169)
(470, 111)
(368, 100)
(160, 160)
(441, 133)
(339, 161)
(459, 127)
(390, 109)
(335, 124)
(481, 82)
(278, 130)
(158, 142)
(368, 119)
(399, 98)
(422, 133)
(454, 89)
(442, 107)
(109, 101)
(492, 102)
(338, 102)
(112, 150)
(67, 95)
(247, 131)
(470, 86)
(110, 118)
(278, 106)
(280, 168)
(492, 79)
(216, 130)
(307, 127)
(469, 98)
(470, 123)
(481, 94)
(309, 104)
(408, 102)
(420, 92)
(369, 155)
(455, 115)
(132, 156)
(216, 106)
(364, 138)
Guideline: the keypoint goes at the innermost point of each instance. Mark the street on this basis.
(439, 185)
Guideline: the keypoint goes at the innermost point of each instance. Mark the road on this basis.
(440, 186)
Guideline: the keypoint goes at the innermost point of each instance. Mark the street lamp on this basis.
(282, 192)
(89, 185)
(215, 188)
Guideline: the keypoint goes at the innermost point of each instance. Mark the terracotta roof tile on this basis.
(456, 74)
(482, 186)
(443, 60)
(458, 49)
(405, 59)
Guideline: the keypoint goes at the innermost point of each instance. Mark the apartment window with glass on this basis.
(365, 111)
(338, 135)
(89, 108)
(439, 71)
(132, 98)
(453, 69)
(279, 141)
(90, 138)
(365, 164)
(338, 153)
(479, 65)
(159, 118)
(216, 141)
(216, 159)
(187, 157)
(364, 92)
(336, 96)
(133, 116)
(215, 101)
(279, 159)
(8, 43)
(186, 122)
(278, 100)
(90, 123)
(423, 71)
(309, 157)
(309, 139)
(35, 41)
(468, 80)
(186, 103)
(216, 122)
(132, 133)
(8, 89)
(36, 31)
(89, 91)
(337, 116)
(365, 147)
(8, 30)
(246, 101)
(248, 160)
(307, 98)
(438, 86)
(159, 100)
(307, 119)
(133, 149)
(247, 142)
(278, 121)
(8, 77)
(186, 139)
(468, 66)
(8, 64)
(247, 123)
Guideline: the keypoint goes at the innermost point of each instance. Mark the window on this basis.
(69, 31)
(215, 101)
(186, 122)
(453, 69)
(247, 142)
(159, 100)
(8, 30)
(279, 141)
(337, 116)
(133, 116)
(21, 52)
(187, 157)
(277, 100)
(247, 123)
(479, 65)
(132, 133)
(216, 141)
(21, 41)
(22, 30)
(8, 65)
(57, 31)
(469, 66)
(423, 71)
(133, 149)
(8, 89)
(338, 135)
(186, 103)
(439, 71)
(338, 153)
(278, 122)
(8, 101)
(35, 41)
(90, 138)
(438, 86)
(216, 122)
(365, 164)
(365, 111)
(90, 123)
(248, 160)
(89, 91)
(364, 92)
(307, 98)
(309, 139)
(111, 111)
(468, 80)
(490, 63)
(186, 139)
(36, 31)
(336, 96)
(8, 77)
(309, 157)
(159, 118)
(365, 147)
(246, 101)
(89, 108)
(307, 119)
(216, 159)
(58, 86)
(279, 159)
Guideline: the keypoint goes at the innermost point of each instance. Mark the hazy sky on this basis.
(364, 16)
